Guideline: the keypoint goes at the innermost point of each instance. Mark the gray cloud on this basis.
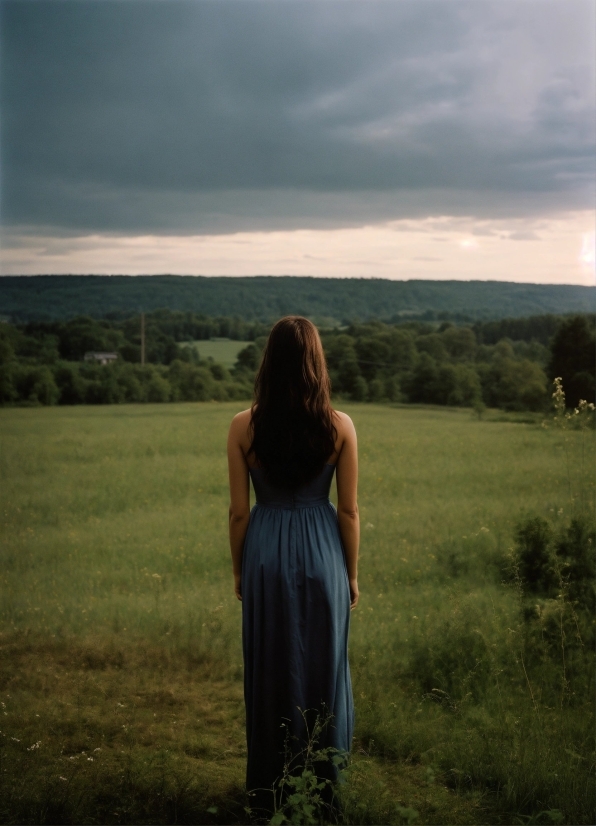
(213, 116)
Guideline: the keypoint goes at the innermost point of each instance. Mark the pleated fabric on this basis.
(295, 623)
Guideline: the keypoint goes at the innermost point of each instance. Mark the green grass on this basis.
(121, 635)
(223, 351)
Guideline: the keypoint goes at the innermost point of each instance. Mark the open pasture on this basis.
(222, 351)
(121, 668)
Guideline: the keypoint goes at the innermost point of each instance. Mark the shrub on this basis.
(574, 548)
(8, 391)
(158, 389)
(70, 384)
(556, 577)
(550, 562)
(453, 664)
(35, 385)
(190, 383)
(533, 539)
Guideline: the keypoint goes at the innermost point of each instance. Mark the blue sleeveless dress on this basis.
(295, 621)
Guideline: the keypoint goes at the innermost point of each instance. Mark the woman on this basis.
(294, 557)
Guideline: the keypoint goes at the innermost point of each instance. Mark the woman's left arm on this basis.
(239, 495)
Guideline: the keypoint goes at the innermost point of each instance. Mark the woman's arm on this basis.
(239, 494)
(347, 502)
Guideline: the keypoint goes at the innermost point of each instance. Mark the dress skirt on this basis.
(295, 622)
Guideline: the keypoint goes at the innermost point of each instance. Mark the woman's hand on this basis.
(354, 593)
(238, 586)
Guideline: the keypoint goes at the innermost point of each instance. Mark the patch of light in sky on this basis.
(588, 253)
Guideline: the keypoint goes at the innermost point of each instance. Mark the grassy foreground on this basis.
(121, 668)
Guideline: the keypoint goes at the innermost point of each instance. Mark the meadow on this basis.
(222, 351)
(121, 668)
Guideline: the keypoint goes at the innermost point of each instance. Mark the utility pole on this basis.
(142, 338)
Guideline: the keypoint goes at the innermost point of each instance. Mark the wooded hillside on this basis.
(50, 297)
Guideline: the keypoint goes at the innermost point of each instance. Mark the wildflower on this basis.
(34, 746)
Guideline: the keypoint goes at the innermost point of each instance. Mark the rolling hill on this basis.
(25, 298)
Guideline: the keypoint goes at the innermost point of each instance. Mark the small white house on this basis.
(102, 358)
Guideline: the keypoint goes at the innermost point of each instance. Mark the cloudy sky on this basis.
(398, 139)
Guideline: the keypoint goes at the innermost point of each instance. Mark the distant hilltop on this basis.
(265, 298)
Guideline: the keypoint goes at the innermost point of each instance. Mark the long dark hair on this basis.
(292, 428)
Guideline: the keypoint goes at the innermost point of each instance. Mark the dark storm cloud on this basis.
(214, 116)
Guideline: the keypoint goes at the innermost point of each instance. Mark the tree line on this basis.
(508, 364)
(446, 364)
(265, 298)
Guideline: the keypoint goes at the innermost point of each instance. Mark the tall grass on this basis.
(121, 631)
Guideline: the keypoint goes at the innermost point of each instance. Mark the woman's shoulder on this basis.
(343, 423)
(243, 416)
(346, 432)
(241, 422)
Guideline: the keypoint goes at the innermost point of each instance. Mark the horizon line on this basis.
(312, 277)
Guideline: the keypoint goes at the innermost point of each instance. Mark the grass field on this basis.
(121, 668)
(222, 351)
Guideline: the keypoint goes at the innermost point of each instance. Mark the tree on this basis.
(71, 385)
(420, 384)
(514, 384)
(248, 358)
(432, 344)
(460, 342)
(35, 385)
(573, 359)
(158, 388)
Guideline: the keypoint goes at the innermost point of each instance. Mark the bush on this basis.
(556, 576)
(71, 385)
(158, 389)
(552, 562)
(574, 548)
(35, 385)
(8, 391)
(452, 665)
(191, 383)
(533, 546)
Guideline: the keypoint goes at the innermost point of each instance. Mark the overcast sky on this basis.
(402, 139)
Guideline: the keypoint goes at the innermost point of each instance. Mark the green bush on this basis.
(35, 385)
(452, 665)
(534, 554)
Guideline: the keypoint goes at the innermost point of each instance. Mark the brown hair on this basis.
(292, 428)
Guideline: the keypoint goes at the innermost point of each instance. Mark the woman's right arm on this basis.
(347, 502)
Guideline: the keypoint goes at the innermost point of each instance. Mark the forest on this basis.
(265, 298)
(508, 363)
